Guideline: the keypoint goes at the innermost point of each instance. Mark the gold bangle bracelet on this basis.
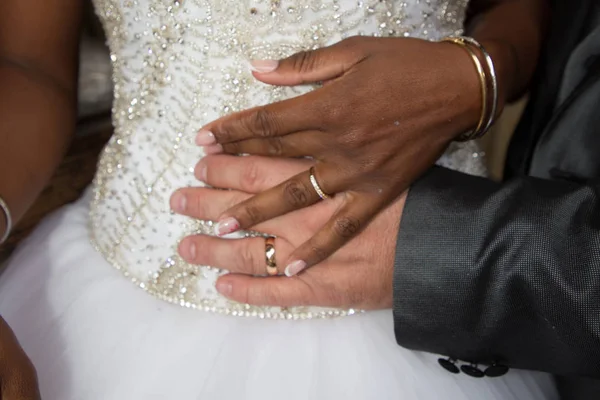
(484, 89)
(491, 69)
(7, 216)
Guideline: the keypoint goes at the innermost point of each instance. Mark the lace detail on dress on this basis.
(180, 64)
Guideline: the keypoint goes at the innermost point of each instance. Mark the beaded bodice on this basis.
(180, 64)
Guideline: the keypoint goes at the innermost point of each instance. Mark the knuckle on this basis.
(253, 214)
(318, 252)
(275, 146)
(346, 227)
(223, 134)
(304, 61)
(296, 194)
(247, 261)
(262, 123)
(354, 138)
(250, 178)
(334, 116)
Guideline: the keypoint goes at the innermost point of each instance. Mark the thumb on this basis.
(311, 66)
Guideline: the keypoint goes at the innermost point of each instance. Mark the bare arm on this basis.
(38, 81)
(513, 32)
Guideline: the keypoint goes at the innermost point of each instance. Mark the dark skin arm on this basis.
(387, 111)
(513, 32)
(38, 91)
(18, 379)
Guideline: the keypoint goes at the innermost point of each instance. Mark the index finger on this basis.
(298, 114)
(250, 174)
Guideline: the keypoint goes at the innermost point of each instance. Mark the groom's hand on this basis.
(18, 379)
(358, 275)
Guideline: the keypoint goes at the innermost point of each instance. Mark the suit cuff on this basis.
(434, 282)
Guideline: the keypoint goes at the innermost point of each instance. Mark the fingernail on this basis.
(227, 226)
(214, 149)
(224, 288)
(264, 66)
(295, 268)
(205, 138)
(178, 202)
(190, 249)
(202, 173)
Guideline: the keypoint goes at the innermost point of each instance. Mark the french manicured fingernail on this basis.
(214, 149)
(295, 268)
(227, 226)
(264, 66)
(224, 288)
(205, 138)
(178, 202)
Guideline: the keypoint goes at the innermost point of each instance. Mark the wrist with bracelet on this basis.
(488, 82)
(5, 221)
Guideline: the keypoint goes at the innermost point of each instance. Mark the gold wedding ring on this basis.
(316, 186)
(270, 256)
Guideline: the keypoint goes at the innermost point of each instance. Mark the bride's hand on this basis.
(387, 110)
(18, 379)
(359, 275)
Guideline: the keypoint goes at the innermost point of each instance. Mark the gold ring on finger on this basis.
(316, 186)
(270, 256)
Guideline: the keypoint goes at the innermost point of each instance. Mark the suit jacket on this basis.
(509, 273)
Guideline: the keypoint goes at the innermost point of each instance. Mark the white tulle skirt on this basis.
(93, 335)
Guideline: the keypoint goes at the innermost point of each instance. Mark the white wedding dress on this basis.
(98, 296)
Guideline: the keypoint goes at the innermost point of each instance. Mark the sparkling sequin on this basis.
(180, 64)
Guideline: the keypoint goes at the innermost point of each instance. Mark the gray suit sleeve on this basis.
(506, 273)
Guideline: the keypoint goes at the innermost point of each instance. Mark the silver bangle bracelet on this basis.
(6, 212)
(493, 78)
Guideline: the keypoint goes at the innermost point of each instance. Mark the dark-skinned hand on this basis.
(387, 110)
